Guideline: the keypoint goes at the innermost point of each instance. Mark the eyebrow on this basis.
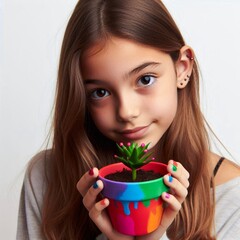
(142, 66)
(136, 70)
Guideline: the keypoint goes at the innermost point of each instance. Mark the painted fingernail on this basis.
(167, 195)
(95, 185)
(91, 172)
(174, 166)
(103, 202)
(170, 178)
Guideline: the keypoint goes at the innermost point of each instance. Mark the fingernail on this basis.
(91, 172)
(103, 202)
(170, 178)
(95, 185)
(167, 195)
(174, 166)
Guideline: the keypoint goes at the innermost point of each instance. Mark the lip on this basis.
(135, 133)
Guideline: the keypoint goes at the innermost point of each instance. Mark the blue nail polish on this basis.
(170, 178)
(95, 185)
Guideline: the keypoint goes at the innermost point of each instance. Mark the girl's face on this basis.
(131, 89)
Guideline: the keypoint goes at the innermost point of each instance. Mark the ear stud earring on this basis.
(187, 78)
(189, 55)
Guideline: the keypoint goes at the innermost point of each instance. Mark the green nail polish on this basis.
(174, 168)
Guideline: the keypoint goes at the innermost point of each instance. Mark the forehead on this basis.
(120, 52)
(94, 48)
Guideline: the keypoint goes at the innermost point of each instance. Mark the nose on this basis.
(128, 108)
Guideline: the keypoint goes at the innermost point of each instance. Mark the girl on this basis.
(126, 74)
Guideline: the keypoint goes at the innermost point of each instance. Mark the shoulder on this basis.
(227, 198)
(227, 215)
(32, 195)
(227, 171)
(38, 165)
(227, 182)
(36, 175)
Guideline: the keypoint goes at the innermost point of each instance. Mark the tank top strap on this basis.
(217, 166)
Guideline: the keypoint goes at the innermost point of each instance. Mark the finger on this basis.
(176, 187)
(177, 166)
(172, 202)
(91, 196)
(100, 217)
(172, 209)
(96, 211)
(87, 180)
(179, 172)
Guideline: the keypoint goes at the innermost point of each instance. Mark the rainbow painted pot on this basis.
(135, 208)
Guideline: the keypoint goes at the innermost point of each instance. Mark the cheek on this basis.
(102, 118)
(170, 106)
(164, 107)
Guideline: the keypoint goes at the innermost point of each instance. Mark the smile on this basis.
(135, 133)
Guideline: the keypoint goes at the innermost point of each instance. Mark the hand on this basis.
(177, 180)
(89, 188)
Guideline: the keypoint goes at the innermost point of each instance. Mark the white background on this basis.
(30, 37)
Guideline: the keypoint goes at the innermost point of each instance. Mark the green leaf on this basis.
(133, 156)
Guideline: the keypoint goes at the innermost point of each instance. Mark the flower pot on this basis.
(135, 207)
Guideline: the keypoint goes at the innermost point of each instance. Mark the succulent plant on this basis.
(134, 156)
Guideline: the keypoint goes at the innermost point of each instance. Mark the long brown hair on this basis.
(77, 144)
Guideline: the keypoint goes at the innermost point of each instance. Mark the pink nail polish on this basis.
(167, 195)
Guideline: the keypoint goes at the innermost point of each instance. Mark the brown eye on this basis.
(99, 93)
(146, 80)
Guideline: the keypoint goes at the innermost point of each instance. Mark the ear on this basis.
(184, 66)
